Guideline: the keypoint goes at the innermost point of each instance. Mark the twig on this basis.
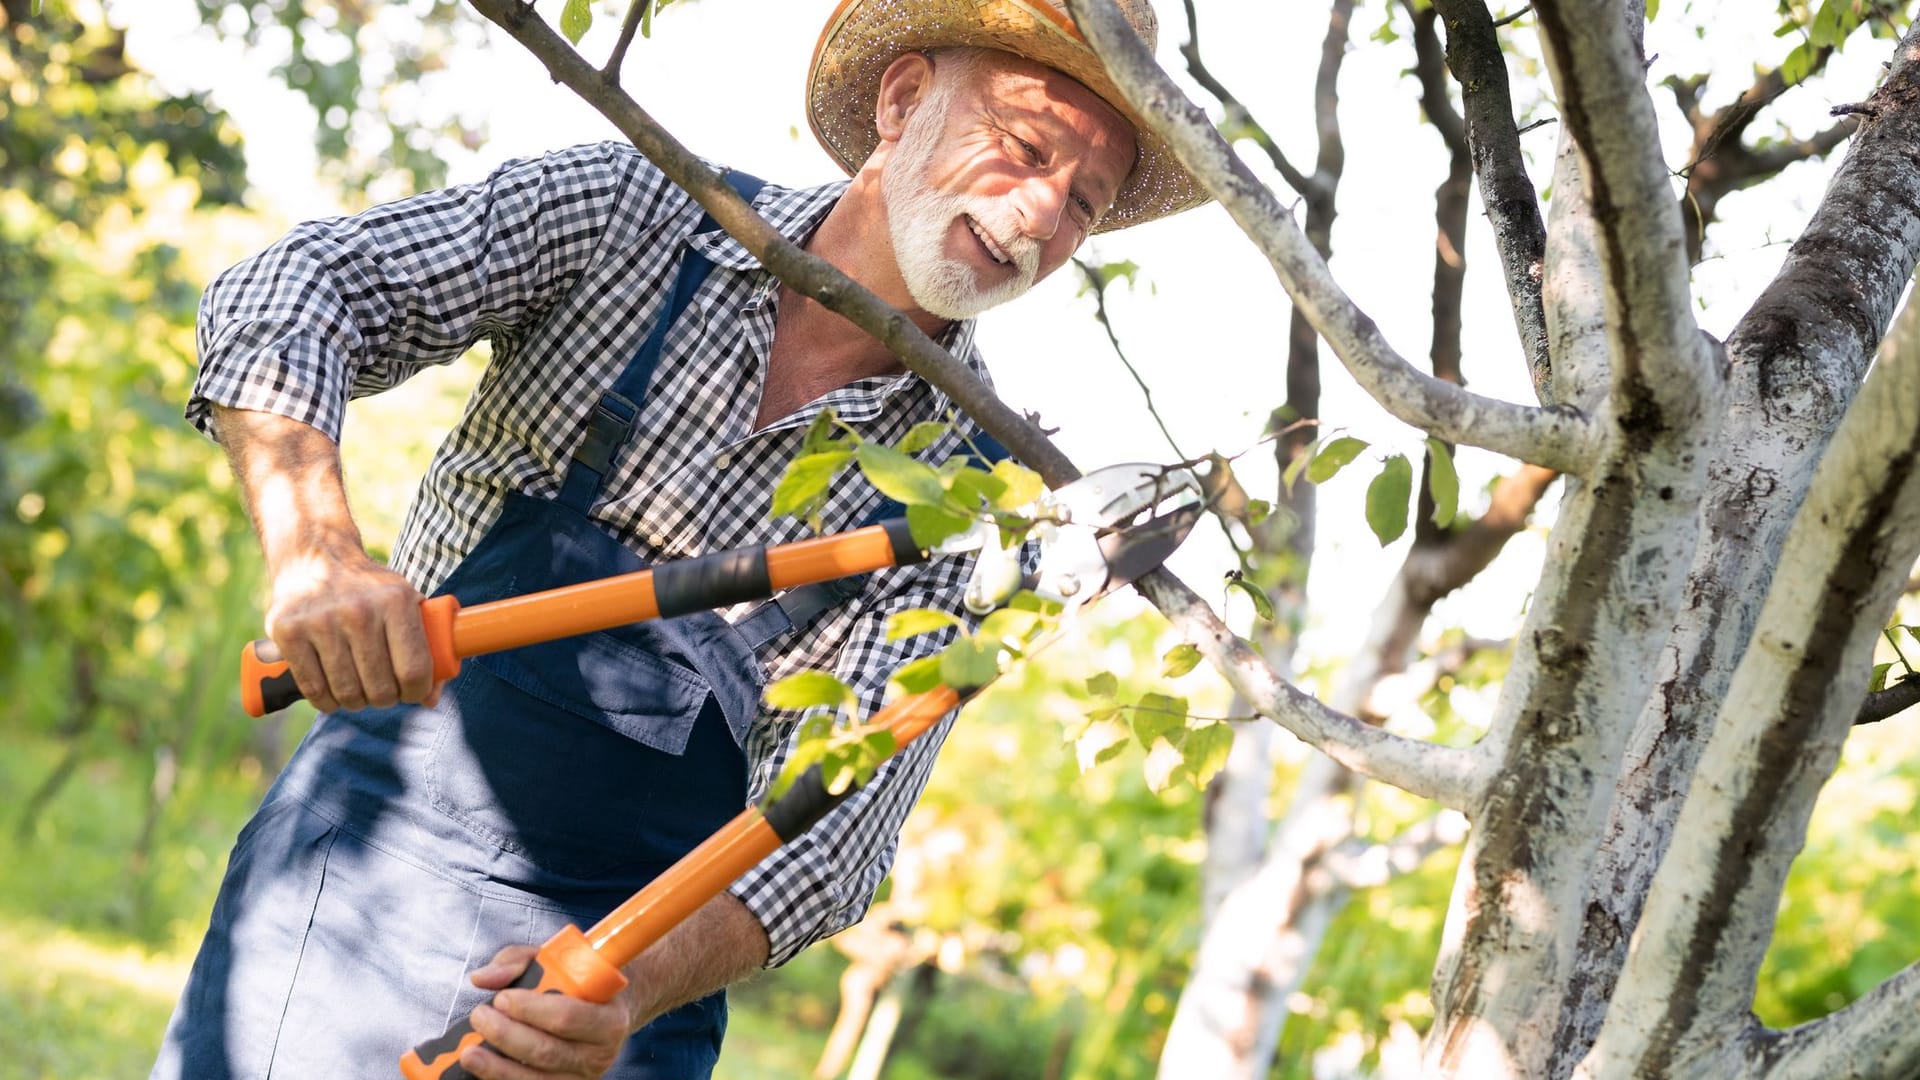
(1508, 20)
(636, 11)
(1099, 287)
(1890, 701)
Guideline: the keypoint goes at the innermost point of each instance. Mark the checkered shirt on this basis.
(564, 263)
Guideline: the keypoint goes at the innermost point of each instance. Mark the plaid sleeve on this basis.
(345, 307)
(824, 881)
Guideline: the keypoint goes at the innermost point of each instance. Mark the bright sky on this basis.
(1206, 325)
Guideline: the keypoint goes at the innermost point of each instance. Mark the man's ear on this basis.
(903, 86)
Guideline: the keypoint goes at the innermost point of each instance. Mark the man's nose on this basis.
(1042, 202)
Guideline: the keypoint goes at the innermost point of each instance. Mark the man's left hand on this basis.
(534, 1036)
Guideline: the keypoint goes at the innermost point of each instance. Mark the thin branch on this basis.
(1097, 284)
(1890, 701)
(1238, 119)
(1663, 371)
(805, 273)
(1508, 20)
(1451, 776)
(629, 26)
(1558, 438)
(1513, 206)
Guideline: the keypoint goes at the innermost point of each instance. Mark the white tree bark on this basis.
(1688, 982)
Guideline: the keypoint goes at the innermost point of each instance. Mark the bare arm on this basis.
(348, 626)
(551, 1035)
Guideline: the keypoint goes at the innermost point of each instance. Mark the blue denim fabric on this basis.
(402, 847)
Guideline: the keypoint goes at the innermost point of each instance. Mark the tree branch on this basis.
(1890, 701)
(805, 273)
(1451, 776)
(1238, 120)
(636, 10)
(1663, 372)
(1513, 207)
(1557, 438)
(1873, 1036)
(1711, 910)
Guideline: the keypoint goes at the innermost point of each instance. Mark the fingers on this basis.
(352, 634)
(506, 966)
(535, 1036)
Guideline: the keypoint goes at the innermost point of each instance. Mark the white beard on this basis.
(920, 218)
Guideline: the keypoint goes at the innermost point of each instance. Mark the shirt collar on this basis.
(795, 213)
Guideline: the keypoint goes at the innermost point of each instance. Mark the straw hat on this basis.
(864, 36)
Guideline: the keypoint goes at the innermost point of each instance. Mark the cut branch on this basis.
(1558, 438)
(805, 273)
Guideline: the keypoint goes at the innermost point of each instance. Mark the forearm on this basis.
(289, 473)
(718, 945)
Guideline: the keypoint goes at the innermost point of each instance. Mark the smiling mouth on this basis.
(987, 243)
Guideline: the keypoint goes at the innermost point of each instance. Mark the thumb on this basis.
(506, 966)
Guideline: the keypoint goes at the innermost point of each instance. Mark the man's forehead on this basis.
(1013, 85)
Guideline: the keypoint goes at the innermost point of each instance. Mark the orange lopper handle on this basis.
(266, 682)
(666, 590)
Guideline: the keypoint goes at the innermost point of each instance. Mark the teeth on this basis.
(993, 249)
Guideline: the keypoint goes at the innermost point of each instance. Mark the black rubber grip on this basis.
(803, 805)
(279, 691)
(439, 1057)
(711, 581)
(905, 551)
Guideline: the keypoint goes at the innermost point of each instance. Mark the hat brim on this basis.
(865, 36)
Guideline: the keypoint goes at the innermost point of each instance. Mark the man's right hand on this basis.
(348, 627)
(350, 631)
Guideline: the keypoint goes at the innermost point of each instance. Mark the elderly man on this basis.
(618, 424)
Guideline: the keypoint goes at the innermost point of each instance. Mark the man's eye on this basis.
(1032, 151)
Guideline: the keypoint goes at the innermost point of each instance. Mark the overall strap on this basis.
(611, 422)
(802, 605)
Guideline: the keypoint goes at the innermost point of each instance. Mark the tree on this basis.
(1738, 521)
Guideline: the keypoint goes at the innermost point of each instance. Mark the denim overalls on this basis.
(402, 847)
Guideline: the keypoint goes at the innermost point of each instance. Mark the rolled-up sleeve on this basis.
(346, 307)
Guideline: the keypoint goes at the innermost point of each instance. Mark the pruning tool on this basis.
(1096, 534)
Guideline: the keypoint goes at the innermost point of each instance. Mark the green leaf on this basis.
(1179, 660)
(916, 621)
(931, 525)
(1387, 499)
(1205, 750)
(879, 744)
(1028, 600)
(1333, 457)
(1298, 465)
(1158, 715)
(807, 689)
(1103, 275)
(919, 676)
(970, 486)
(923, 434)
(1103, 685)
(803, 488)
(1023, 485)
(1443, 482)
(1011, 625)
(1102, 741)
(899, 477)
(1879, 681)
(576, 17)
(1162, 765)
(1798, 64)
(1653, 9)
(1262, 603)
(820, 433)
(970, 663)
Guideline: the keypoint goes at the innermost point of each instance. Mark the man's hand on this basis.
(350, 630)
(538, 1035)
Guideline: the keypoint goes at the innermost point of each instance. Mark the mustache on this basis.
(997, 223)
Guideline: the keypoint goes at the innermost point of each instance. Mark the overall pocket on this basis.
(565, 752)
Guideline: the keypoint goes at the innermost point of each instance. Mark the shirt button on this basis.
(722, 460)
(657, 541)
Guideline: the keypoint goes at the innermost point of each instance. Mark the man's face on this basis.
(1001, 172)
